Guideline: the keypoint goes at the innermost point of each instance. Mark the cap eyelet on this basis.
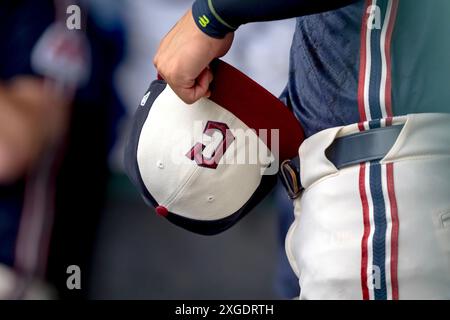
(160, 165)
(211, 198)
(162, 211)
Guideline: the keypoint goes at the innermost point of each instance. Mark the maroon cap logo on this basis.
(196, 153)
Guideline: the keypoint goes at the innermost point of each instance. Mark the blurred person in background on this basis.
(58, 112)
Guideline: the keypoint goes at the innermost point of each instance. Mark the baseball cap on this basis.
(206, 165)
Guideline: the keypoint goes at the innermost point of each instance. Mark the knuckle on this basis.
(188, 100)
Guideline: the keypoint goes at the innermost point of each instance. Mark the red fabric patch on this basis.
(387, 53)
(256, 107)
(394, 232)
(362, 63)
(366, 219)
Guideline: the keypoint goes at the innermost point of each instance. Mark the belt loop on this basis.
(290, 177)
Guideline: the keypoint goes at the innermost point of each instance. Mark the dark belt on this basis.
(366, 146)
(370, 145)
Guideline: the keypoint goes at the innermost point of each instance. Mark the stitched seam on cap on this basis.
(182, 186)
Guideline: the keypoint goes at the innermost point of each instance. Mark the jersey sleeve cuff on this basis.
(207, 19)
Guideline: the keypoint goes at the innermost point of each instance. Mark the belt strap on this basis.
(371, 145)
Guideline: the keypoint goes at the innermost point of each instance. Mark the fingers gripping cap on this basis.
(204, 166)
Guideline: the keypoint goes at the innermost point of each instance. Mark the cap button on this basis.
(162, 211)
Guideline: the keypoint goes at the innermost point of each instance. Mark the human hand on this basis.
(183, 58)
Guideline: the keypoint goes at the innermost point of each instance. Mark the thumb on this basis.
(198, 90)
(201, 87)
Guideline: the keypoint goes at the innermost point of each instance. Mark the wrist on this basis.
(209, 21)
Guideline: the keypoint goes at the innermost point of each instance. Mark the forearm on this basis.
(218, 17)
